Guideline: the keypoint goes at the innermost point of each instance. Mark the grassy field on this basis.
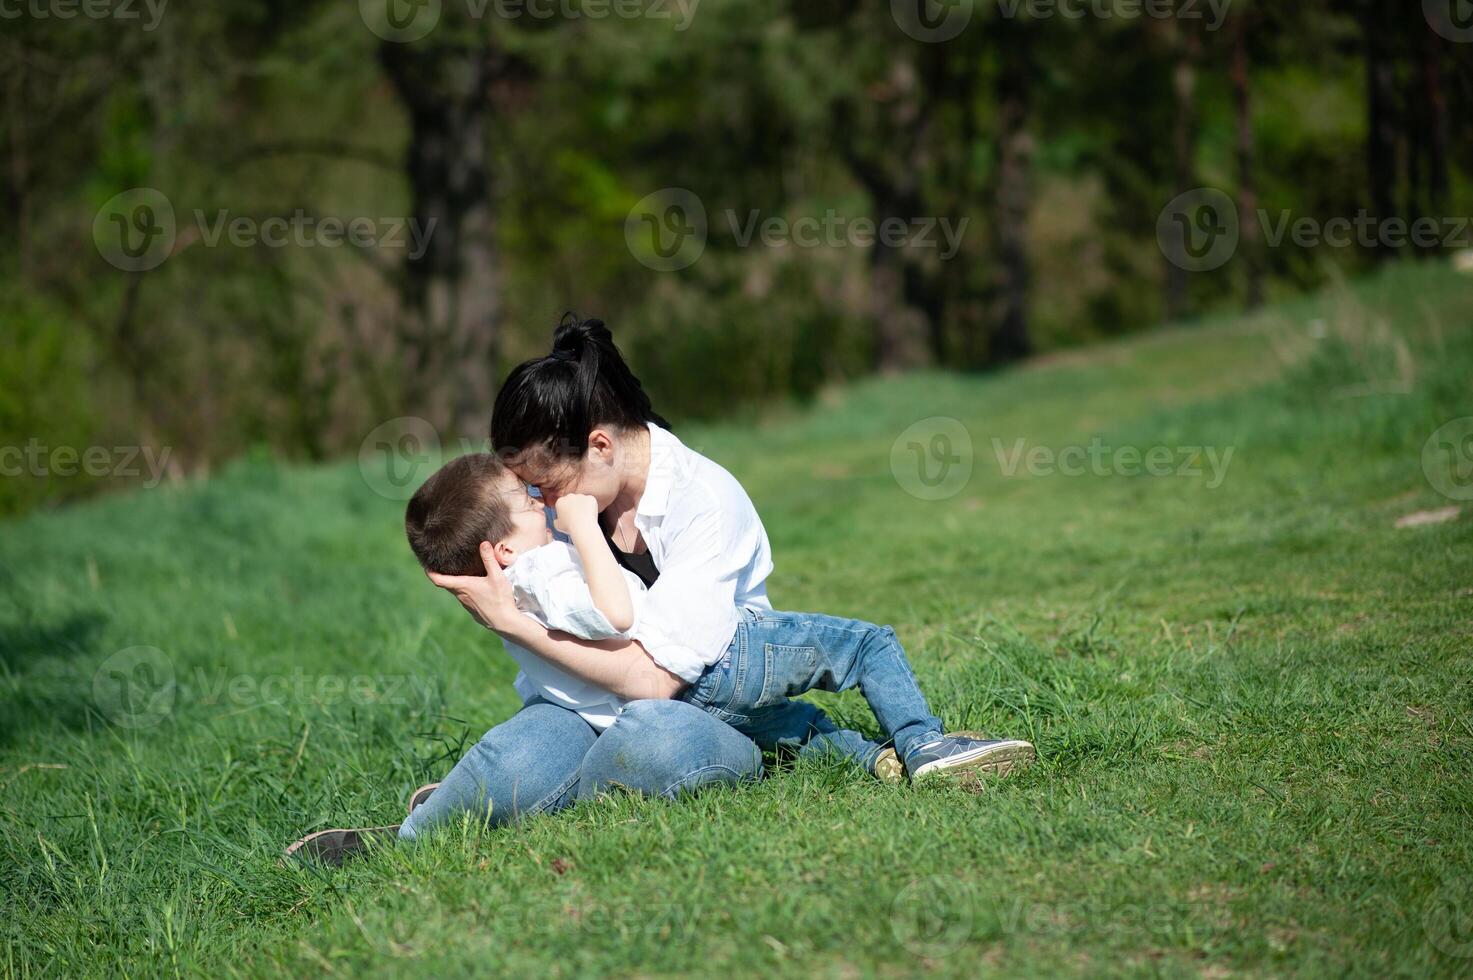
(1249, 687)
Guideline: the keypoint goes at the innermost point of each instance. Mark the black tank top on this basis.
(642, 564)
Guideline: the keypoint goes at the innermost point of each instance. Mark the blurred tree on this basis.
(451, 293)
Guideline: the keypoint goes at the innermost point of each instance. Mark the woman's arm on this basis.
(619, 666)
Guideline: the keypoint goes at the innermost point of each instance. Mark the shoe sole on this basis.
(333, 846)
(994, 760)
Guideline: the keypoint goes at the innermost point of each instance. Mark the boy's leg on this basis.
(797, 726)
(789, 653)
(527, 764)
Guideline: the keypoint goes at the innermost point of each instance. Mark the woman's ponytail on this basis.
(551, 403)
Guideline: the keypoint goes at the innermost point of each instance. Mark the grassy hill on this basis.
(1249, 687)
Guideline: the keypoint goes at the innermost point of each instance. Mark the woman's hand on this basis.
(489, 598)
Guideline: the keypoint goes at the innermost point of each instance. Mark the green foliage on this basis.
(46, 401)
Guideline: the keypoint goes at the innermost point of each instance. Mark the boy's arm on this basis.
(577, 517)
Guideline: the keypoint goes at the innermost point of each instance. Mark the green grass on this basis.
(1252, 702)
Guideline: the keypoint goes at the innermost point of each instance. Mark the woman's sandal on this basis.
(420, 795)
(333, 847)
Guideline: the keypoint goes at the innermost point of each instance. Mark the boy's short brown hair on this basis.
(458, 507)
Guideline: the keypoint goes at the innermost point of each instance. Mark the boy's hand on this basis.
(576, 512)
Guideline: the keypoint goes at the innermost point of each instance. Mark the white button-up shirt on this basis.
(551, 586)
(712, 552)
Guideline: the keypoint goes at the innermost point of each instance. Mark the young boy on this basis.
(582, 589)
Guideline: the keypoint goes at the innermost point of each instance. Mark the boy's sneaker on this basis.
(888, 768)
(953, 753)
(420, 795)
(333, 847)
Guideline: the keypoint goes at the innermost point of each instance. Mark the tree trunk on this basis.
(890, 169)
(1247, 185)
(1188, 46)
(1014, 194)
(1434, 98)
(1381, 126)
(451, 292)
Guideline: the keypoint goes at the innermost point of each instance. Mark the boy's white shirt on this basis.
(551, 586)
(712, 551)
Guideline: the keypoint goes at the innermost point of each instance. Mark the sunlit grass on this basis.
(1252, 702)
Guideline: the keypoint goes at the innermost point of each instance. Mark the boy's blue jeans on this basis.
(777, 655)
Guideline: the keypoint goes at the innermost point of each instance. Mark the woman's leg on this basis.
(661, 748)
(525, 765)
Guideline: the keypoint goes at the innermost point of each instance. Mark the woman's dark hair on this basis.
(548, 405)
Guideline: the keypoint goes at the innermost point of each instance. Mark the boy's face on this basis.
(528, 518)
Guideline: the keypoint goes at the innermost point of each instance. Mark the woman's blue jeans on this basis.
(545, 758)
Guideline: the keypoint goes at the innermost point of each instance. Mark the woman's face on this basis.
(595, 473)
